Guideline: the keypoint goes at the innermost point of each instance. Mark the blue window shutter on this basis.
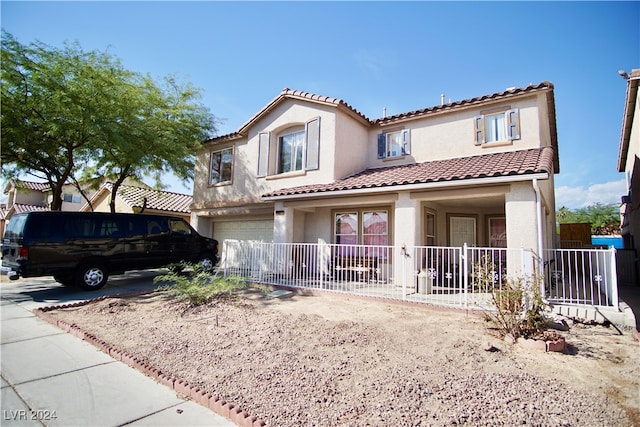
(382, 145)
(263, 154)
(478, 129)
(513, 123)
(312, 151)
(406, 141)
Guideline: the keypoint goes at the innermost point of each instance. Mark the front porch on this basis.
(461, 277)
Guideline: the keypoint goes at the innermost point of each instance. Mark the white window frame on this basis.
(229, 153)
(270, 149)
(430, 234)
(297, 149)
(395, 143)
(485, 126)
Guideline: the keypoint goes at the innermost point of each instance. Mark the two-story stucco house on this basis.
(309, 168)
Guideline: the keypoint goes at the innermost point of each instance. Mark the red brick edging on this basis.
(180, 386)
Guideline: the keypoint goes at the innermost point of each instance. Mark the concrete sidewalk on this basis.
(52, 378)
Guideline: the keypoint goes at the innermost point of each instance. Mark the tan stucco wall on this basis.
(450, 135)
(520, 209)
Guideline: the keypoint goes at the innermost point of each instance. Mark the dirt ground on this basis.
(336, 360)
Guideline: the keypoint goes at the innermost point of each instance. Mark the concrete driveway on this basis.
(52, 378)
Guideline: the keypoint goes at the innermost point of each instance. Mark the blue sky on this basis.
(395, 55)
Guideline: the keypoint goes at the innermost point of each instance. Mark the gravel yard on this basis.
(335, 360)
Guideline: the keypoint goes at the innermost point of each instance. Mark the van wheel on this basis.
(92, 277)
(207, 262)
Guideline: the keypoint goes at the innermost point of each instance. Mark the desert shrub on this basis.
(517, 305)
(199, 286)
(518, 309)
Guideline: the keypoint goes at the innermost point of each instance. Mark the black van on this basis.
(84, 248)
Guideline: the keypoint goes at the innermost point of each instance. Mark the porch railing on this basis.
(464, 277)
(581, 276)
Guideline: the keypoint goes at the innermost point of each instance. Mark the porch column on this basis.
(201, 224)
(282, 223)
(406, 231)
(522, 227)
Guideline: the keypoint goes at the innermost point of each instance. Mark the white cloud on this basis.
(579, 197)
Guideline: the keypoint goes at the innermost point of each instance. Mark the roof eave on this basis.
(411, 187)
(627, 118)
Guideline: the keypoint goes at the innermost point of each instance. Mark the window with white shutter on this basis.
(497, 126)
(394, 144)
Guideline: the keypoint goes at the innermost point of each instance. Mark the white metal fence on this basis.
(581, 277)
(465, 277)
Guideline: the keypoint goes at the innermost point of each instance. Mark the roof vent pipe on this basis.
(384, 112)
(442, 99)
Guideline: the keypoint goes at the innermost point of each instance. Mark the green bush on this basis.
(198, 286)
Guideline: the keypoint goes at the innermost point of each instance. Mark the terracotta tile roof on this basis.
(31, 185)
(19, 208)
(158, 200)
(287, 93)
(466, 102)
(516, 163)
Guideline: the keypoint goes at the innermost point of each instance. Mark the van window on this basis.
(93, 227)
(136, 226)
(179, 227)
(110, 228)
(157, 226)
(15, 228)
(80, 227)
(45, 228)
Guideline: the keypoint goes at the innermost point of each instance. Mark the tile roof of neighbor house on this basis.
(515, 163)
(19, 208)
(159, 200)
(32, 185)
(297, 94)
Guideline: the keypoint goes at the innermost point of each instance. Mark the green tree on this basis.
(70, 115)
(604, 219)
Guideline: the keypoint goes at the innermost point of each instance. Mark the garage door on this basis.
(243, 230)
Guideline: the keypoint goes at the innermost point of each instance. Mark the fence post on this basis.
(405, 255)
(463, 272)
(614, 278)
(224, 258)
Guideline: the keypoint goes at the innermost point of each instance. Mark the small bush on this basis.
(515, 314)
(199, 286)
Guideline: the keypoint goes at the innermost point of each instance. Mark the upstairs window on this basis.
(71, 198)
(394, 144)
(290, 149)
(295, 149)
(497, 126)
(221, 169)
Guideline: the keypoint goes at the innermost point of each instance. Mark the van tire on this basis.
(207, 262)
(92, 277)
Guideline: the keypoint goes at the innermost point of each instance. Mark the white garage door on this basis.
(243, 230)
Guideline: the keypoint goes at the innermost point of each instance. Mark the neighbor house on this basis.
(23, 196)
(629, 163)
(140, 198)
(309, 169)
